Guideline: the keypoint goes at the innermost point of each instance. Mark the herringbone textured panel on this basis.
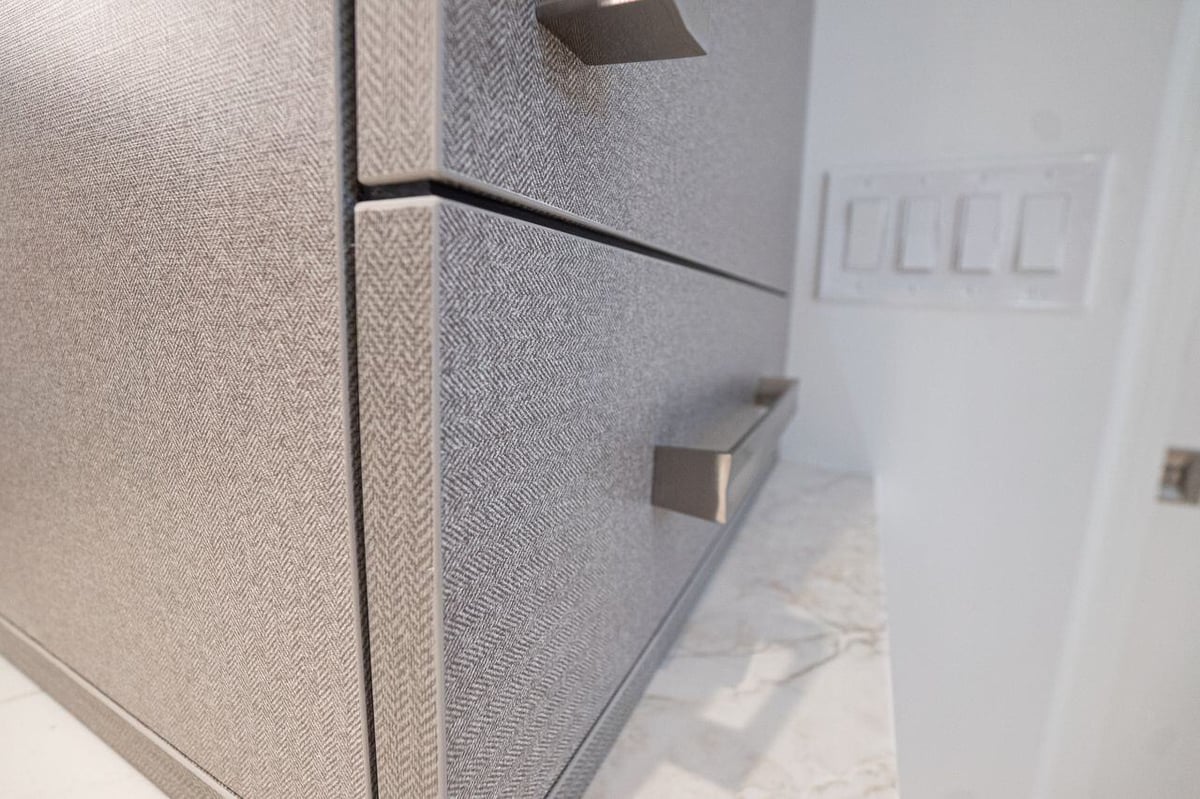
(397, 66)
(175, 519)
(396, 333)
(562, 363)
(697, 156)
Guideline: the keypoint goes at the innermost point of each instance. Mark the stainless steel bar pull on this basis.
(622, 31)
(712, 484)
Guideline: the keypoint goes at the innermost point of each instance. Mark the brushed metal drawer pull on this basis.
(622, 31)
(712, 484)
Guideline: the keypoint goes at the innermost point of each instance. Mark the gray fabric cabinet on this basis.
(560, 363)
(696, 156)
(329, 475)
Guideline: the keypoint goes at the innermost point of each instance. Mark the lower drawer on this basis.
(513, 384)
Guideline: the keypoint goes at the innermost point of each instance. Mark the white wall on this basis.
(1126, 720)
(983, 428)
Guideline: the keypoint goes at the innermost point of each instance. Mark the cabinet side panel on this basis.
(175, 506)
(397, 406)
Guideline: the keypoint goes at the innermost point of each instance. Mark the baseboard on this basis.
(150, 754)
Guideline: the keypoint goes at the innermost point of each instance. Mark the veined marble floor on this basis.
(778, 687)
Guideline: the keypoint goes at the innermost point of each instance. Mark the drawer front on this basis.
(561, 363)
(175, 516)
(696, 156)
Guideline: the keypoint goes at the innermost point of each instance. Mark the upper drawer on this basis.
(699, 156)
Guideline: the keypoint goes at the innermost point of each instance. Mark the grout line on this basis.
(543, 219)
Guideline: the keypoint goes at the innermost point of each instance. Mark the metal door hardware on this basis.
(1181, 477)
(712, 484)
(622, 31)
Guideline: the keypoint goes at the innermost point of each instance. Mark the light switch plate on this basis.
(1004, 234)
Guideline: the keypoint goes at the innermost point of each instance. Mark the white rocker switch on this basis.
(978, 233)
(866, 227)
(1043, 229)
(920, 234)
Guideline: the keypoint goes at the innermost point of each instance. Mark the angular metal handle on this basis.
(712, 484)
(622, 31)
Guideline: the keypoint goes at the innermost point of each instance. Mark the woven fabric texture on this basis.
(562, 363)
(396, 332)
(398, 71)
(175, 515)
(698, 156)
